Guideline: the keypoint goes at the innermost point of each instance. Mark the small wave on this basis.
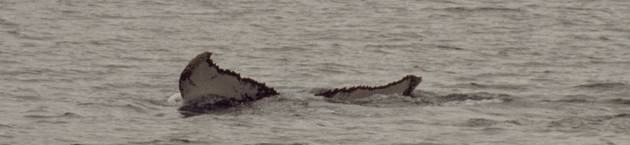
(110, 41)
(5, 22)
(280, 144)
(574, 99)
(4, 62)
(570, 100)
(123, 16)
(482, 9)
(168, 141)
(379, 100)
(5, 126)
(421, 143)
(602, 86)
(491, 86)
(491, 75)
(285, 48)
(390, 46)
(620, 101)
(529, 64)
(118, 85)
(614, 123)
(33, 36)
(6, 136)
(27, 97)
(482, 122)
(52, 122)
(446, 47)
(64, 115)
(471, 98)
(134, 105)
(425, 98)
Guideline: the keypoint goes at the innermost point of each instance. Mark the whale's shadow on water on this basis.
(207, 88)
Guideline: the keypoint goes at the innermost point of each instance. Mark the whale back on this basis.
(204, 87)
(404, 86)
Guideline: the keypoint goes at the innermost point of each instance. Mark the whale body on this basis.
(205, 87)
(404, 86)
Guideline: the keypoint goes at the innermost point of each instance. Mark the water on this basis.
(518, 72)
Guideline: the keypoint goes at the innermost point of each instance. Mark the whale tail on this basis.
(404, 86)
(205, 87)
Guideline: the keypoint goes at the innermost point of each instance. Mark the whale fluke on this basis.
(205, 87)
(404, 86)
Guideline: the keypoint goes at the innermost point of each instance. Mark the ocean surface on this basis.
(495, 72)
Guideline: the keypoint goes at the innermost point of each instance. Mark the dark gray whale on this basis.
(205, 87)
(404, 86)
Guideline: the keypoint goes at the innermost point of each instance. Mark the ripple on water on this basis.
(448, 47)
(5, 126)
(280, 144)
(169, 142)
(483, 122)
(484, 10)
(512, 87)
(126, 104)
(127, 107)
(618, 123)
(605, 90)
(603, 86)
(620, 101)
(425, 98)
(379, 101)
(64, 115)
(471, 98)
(574, 99)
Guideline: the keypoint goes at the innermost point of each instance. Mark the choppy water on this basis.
(518, 72)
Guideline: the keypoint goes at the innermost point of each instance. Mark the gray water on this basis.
(519, 72)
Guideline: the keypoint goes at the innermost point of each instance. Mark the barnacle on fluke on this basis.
(205, 87)
(404, 86)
